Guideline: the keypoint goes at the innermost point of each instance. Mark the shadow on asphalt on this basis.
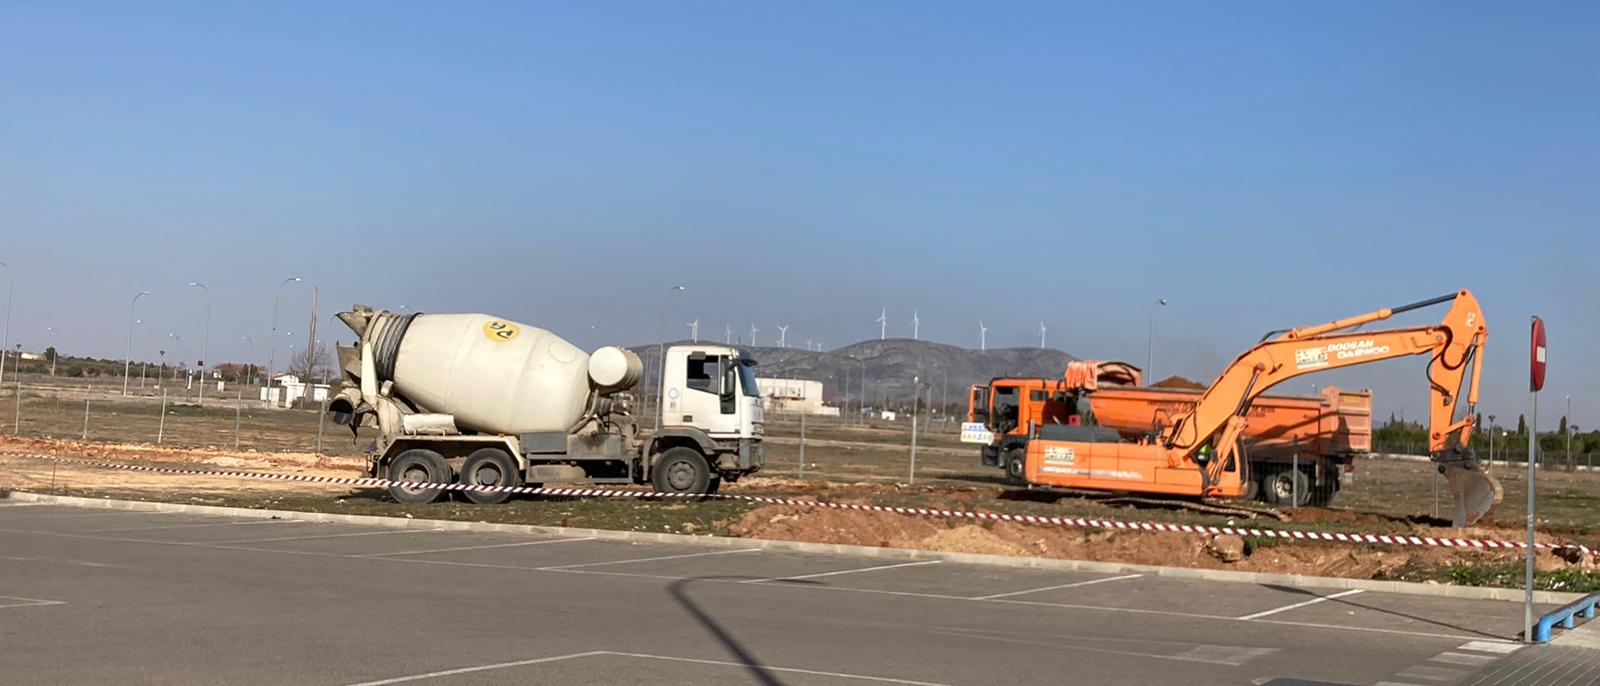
(680, 592)
(1395, 613)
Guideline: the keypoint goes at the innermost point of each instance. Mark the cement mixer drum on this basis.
(493, 375)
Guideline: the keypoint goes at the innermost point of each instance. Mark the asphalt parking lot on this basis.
(95, 596)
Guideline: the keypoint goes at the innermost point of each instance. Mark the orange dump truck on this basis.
(1325, 431)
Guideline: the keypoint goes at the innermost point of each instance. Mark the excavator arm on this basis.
(1453, 346)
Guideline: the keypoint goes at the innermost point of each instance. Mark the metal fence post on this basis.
(16, 425)
(238, 404)
(1435, 494)
(912, 478)
(85, 419)
(161, 426)
(802, 446)
(320, 415)
(1294, 481)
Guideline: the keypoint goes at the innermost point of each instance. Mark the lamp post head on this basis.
(1162, 302)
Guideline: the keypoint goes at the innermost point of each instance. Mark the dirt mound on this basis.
(880, 529)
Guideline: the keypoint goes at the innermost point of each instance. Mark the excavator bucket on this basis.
(1475, 493)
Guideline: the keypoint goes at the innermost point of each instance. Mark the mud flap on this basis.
(1475, 493)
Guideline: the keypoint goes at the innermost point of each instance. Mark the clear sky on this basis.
(1261, 165)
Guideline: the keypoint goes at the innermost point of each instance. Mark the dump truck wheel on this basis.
(681, 470)
(1252, 489)
(1279, 488)
(1015, 462)
(421, 467)
(489, 467)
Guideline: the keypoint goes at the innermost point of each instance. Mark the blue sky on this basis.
(1260, 164)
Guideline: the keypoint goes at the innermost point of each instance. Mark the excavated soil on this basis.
(1153, 548)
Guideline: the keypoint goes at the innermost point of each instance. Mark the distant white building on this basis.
(286, 389)
(800, 396)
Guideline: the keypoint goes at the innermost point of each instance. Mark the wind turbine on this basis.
(753, 331)
(783, 335)
(808, 345)
(1042, 331)
(883, 324)
(694, 330)
(727, 335)
(983, 336)
(916, 332)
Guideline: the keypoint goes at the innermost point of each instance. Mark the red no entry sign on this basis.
(1536, 363)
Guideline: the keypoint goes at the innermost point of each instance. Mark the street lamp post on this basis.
(5, 339)
(127, 362)
(272, 341)
(50, 332)
(1150, 344)
(661, 350)
(249, 366)
(205, 341)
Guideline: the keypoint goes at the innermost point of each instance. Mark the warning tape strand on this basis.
(1033, 520)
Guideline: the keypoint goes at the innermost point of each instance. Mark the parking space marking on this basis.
(481, 547)
(192, 526)
(1431, 673)
(59, 561)
(643, 656)
(85, 515)
(649, 559)
(842, 571)
(478, 668)
(1076, 584)
(1313, 601)
(25, 602)
(309, 538)
(1463, 659)
(1496, 647)
(1490, 645)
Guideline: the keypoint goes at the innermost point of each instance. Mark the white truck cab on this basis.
(712, 389)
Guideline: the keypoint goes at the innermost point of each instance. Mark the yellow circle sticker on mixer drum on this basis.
(500, 332)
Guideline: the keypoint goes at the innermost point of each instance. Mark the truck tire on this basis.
(489, 467)
(1280, 487)
(1252, 488)
(1322, 496)
(418, 466)
(1015, 463)
(681, 470)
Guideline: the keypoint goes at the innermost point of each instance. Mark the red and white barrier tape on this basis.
(1075, 522)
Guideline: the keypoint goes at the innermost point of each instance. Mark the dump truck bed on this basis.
(1336, 422)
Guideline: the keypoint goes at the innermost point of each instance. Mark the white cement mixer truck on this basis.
(475, 399)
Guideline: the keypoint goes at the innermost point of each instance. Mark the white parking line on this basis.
(1090, 582)
(482, 547)
(643, 656)
(192, 526)
(1496, 647)
(1313, 601)
(25, 602)
(308, 538)
(651, 559)
(842, 571)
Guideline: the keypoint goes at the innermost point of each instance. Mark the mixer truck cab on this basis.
(710, 394)
(477, 400)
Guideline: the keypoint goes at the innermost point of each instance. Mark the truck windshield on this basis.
(747, 380)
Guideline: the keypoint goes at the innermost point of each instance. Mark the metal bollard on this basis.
(161, 427)
(802, 446)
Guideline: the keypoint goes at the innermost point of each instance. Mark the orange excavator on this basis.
(1198, 453)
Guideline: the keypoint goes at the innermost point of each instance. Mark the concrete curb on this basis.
(1260, 578)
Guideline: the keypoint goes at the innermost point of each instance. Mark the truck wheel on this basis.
(1323, 496)
(489, 467)
(421, 467)
(1015, 462)
(1280, 487)
(681, 470)
(1252, 489)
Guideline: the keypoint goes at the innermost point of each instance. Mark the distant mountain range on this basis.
(945, 371)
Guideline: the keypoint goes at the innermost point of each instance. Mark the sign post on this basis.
(1536, 363)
